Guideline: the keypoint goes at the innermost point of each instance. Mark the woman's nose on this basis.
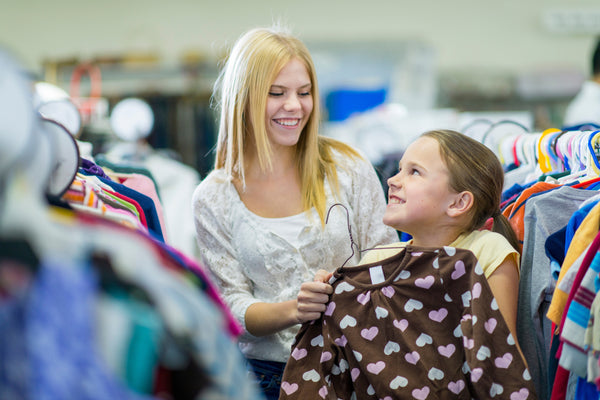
(292, 103)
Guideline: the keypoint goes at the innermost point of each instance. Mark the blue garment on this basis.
(145, 202)
(575, 221)
(514, 189)
(586, 390)
(556, 251)
(15, 373)
(405, 237)
(268, 376)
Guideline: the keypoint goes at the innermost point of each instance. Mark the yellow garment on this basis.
(584, 235)
(490, 248)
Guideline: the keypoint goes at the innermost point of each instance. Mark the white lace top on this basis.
(251, 263)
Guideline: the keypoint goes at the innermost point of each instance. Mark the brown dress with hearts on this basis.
(429, 329)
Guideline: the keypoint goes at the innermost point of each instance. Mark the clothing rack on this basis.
(551, 200)
(93, 303)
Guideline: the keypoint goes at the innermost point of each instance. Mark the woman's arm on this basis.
(268, 318)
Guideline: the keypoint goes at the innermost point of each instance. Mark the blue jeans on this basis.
(268, 376)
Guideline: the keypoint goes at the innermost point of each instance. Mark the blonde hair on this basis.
(241, 92)
(475, 168)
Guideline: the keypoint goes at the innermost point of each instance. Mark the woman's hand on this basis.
(268, 318)
(313, 297)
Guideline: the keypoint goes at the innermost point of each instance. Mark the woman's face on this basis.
(289, 104)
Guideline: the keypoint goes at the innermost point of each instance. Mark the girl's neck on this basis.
(436, 239)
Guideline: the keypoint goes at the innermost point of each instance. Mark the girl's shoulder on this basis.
(490, 248)
(479, 238)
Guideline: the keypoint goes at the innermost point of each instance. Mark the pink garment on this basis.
(145, 185)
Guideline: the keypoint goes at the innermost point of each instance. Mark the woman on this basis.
(261, 215)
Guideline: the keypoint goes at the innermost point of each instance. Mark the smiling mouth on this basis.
(395, 200)
(287, 121)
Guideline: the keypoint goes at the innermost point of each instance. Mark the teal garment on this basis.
(102, 161)
(142, 354)
(138, 349)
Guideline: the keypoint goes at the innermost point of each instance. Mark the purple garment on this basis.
(91, 168)
(14, 367)
(47, 348)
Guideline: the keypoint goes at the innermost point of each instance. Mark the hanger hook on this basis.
(352, 243)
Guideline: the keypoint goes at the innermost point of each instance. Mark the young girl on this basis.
(435, 315)
(447, 187)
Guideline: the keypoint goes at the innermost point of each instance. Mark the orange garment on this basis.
(516, 213)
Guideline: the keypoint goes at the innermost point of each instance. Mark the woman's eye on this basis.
(275, 94)
(304, 94)
(414, 172)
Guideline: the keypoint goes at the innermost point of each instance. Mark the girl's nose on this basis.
(394, 181)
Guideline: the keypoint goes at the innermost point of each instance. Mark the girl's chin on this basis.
(391, 223)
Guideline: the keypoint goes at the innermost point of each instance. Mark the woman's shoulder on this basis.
(215, 184)
(350, 159)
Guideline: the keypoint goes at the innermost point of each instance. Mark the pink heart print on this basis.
(289, 388)
(370, 333)
(459, 270)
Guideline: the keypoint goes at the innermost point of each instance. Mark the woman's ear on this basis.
(462, 203)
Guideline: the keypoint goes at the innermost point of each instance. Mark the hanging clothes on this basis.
(421, 322)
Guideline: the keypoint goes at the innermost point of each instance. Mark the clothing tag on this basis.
(376, 274)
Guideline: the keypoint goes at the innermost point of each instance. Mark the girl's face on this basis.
(289, 104)
(419, 194)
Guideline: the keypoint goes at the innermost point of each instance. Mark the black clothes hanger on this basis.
(65, 157)
(352, 242)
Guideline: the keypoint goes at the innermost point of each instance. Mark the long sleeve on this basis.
(215, 241)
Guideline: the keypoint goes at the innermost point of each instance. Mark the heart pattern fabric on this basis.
(431, 330)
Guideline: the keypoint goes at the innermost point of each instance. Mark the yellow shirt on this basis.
(490, 248)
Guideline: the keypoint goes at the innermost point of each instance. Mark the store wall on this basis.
(524, 56)
(467, 34)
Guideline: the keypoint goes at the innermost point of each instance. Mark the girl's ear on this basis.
(462, 203)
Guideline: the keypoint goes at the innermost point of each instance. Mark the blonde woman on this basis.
(264, 219)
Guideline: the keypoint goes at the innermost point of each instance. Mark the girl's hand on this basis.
(313, 297)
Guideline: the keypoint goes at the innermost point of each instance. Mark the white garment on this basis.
(288, 228)
(176, 183)
(585, 107)
(253, 264)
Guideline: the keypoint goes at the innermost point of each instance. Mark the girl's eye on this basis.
(414, 172)
(304, 94)
(275, 94)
